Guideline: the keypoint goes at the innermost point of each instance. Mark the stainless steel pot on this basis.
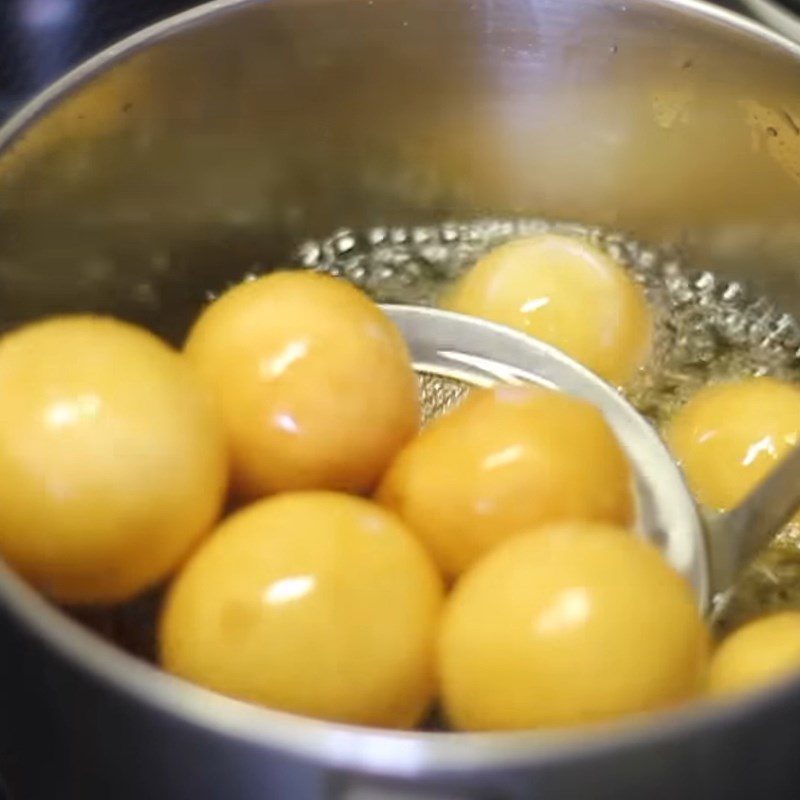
(180, 158)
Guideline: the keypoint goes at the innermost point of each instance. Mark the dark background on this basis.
(42, 39)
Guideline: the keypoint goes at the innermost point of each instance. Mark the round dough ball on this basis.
(112, 458)
(310, 602)
(507, 459)
(730, 435)
(759, 653)
(566, 292)
(567, 625)
(315, 383)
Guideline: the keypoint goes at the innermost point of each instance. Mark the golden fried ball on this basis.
(507, 459)
(311, 602)
(564, 291)
(112, 458)
(566, 625)
(315, 383)
(730, 435)
(757, 654)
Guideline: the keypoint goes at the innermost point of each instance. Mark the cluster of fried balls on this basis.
(327, 557)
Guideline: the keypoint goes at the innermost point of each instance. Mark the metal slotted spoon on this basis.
(709, 555)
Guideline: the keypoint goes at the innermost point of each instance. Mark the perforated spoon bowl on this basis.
(708, 554)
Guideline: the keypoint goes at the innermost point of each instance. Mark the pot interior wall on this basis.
(182, 166)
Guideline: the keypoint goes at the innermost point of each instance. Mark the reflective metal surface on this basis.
(179, 160)
(781, 15)
(482, 353)
(736, 537)
(586, 111)
(42, 39)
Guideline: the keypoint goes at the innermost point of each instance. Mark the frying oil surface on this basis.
(705, 329)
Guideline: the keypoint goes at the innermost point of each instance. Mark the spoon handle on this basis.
(736, 537)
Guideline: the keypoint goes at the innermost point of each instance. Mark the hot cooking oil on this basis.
(706, 329)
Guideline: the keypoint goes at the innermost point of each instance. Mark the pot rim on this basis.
(380, 752)
(776, 15)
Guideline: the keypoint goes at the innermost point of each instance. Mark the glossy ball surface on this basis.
(567, 625)
(730, 435)
(757, 654)
(314, 381)
(311, 602)
(112, 458)
(564, 291)
(507, 459)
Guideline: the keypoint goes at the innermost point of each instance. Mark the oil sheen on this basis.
(705, 329)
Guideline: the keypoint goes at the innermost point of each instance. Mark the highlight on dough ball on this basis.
(564, 291)
(565, 625)
(315, 383)
(311, 602)
(759, 653)
(731, 434)
(507, 459)
(116, 455)
(112, 458)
